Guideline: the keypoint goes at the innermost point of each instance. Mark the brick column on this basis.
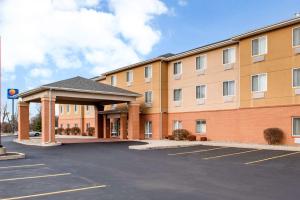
(48, 133)
(133, 120)
(123, 126)
(99, 122)
(106, 127)
(23, 121)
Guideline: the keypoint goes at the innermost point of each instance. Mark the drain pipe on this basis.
(50, 115)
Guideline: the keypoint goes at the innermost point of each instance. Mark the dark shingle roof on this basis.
(80, 83)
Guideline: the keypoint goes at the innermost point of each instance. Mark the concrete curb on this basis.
(30, 143)
(12, 157)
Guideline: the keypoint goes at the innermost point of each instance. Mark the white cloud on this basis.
(182, 2)
(74, 33)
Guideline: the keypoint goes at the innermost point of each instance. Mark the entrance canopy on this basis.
(80, 91)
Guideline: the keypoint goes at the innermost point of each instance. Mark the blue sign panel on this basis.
(12, 93)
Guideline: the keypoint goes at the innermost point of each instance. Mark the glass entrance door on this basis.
(115, 132)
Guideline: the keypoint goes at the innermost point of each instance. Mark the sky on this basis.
(43, 41)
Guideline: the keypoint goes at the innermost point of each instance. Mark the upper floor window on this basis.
(229, 56)
(296, 77)
(148, 71)
(228, 88)
(201, 62)
(129, 76)
(113, 80)
(200, 126)
(75, 108)
(259, 46)
(177, 125)
(200, 92)
(148, 97)
(177, 68)
(68, 108)
(296, 37)
(177, 95)
(259, 83)
(61, 109)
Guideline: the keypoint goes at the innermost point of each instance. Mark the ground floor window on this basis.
(68, 125)
(148, 129)
(61, 126)
(177, 125)
(76, 125)
(88, 125)
(296, 126)
(200, 126)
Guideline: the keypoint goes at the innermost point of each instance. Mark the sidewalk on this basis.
(165, 144)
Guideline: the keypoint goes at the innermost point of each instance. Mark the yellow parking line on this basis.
(21, 166)
(271, 158)
(56, 192)
(231, 154)
(198, 151)
(34, 177)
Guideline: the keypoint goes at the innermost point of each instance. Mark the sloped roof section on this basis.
(80, 83)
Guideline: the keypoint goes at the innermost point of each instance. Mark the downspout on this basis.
(50, 115)
(160, 103)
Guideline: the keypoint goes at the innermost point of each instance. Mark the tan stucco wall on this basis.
(213, 79)
(278, 64)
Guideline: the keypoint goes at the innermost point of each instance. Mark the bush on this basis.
(191, 137)
(180, 134)
(203, 139)
(90, 131)
(67, 131)
(273, 135)
(75, 131)
(60, 131)
(171, 137)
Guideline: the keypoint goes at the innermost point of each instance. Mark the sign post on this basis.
(13, 94)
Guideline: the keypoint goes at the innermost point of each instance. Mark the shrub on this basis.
(67, 131)
(60, 131)
(171, 137)
(191, 137)
(90, 131)
(180, 134)
(203, 139)
(273, 135)
(75, 131)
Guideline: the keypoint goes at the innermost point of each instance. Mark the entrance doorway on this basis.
(115, 131)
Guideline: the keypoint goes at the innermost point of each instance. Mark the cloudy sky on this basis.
(49, 40)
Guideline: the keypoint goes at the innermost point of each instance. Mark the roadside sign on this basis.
(12, 93)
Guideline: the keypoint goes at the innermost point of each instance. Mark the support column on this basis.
(123, 126)
(133, 120)
(106, 127)
(48, 120)
(99, 122)
(23, 121)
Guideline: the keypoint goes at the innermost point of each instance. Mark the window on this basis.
(61, 109)
(296, 77)
(129, 76)
(200, 92)
(177, 125)
(148, 97)
(148, 129)
(61, 126)
(68, 125)
(113, 80)
(148, 71)
(259, 83)
(259, 46)
(75, 108)
(296, 37)
(228, 88)
(177, 95)
(76, 125)
(177, 68)
(200, 126)
(68, 108)
(88, 125)
(296, 126)
(87, 108)
(229, 56)
(201, 62)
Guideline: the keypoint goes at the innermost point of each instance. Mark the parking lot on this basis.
(112, 171)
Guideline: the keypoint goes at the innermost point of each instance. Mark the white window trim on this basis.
(293, 77)
(148, 133)
(131, 72)
(174, 95)
(266, 46)
(293, 37)
(181, 68)
(151, 97)
(205, 91)
(196, 126)
(205, 66)
(266, 82)
(149, 66)
(174, 122)
(75, 110)
(61, 109)
(234, 56)
(115, 77)
(68, 112)
(293, 135)
(234, 88)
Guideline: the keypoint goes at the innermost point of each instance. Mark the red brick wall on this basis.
(240, 125)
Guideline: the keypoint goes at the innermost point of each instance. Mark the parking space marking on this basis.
(56, 192)
(271, 158)
(21, 166)
(231, 154)
(198, 151)
(34, 177)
